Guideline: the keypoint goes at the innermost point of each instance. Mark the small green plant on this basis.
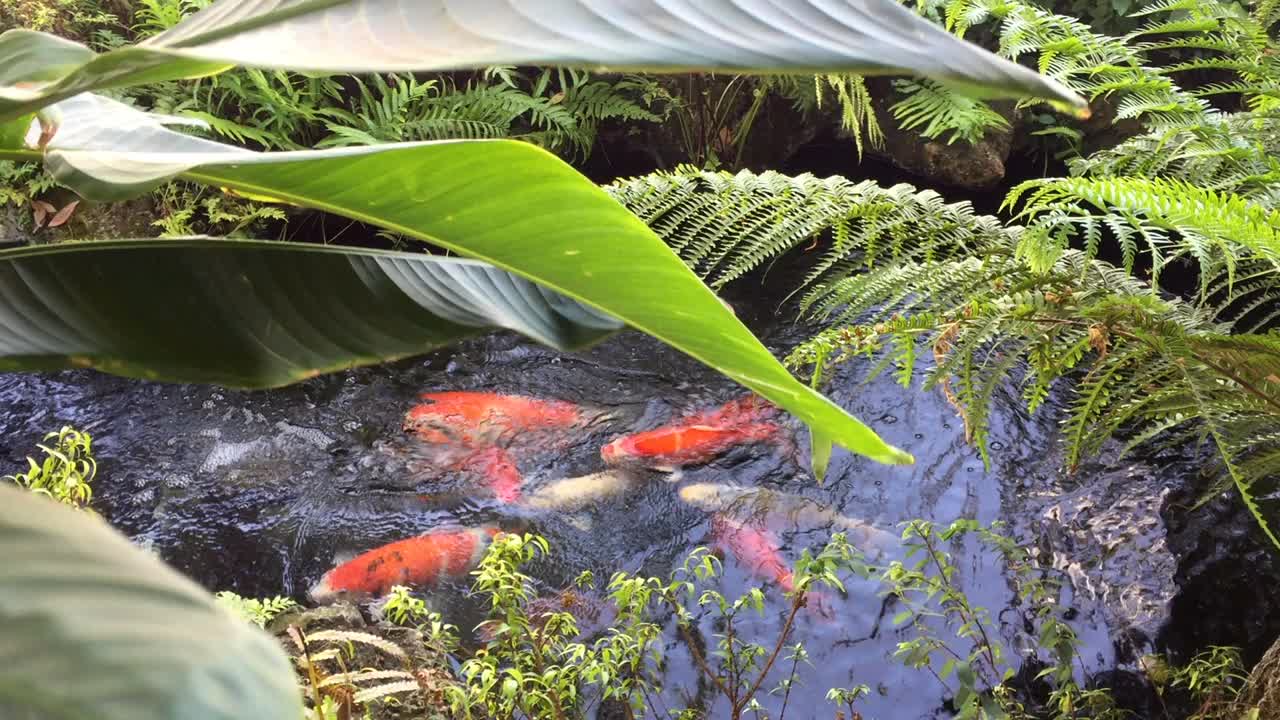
(1213, 679)
(536, 666)
(402, 608)
(253, 610)
(846, 697)
(68, 469)
(975, 666)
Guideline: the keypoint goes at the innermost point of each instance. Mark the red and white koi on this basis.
(419, 561)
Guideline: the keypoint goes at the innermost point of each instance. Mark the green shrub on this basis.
(67, 472)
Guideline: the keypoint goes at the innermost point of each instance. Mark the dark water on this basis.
(256, 491)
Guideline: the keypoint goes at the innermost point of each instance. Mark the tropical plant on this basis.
(67, 472)
(188, 659)
(494, 201)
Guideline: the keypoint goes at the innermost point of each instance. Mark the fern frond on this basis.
(351, 636)
(937, 111)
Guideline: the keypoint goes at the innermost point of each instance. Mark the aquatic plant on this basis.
(66, 474)
(973, 657)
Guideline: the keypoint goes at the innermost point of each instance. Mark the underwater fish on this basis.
(698, 437)
(417, 561)
(577, 493)
(757, 552)
(479, 419)
(498, 472)
(739, 411)
(763, 505)
(671, 447)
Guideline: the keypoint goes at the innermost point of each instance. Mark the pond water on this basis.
(257, 491)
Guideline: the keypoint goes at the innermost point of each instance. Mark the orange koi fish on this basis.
(696, 438)
(499, 473)
(478, 419)
(673, 446)
(758, 553)
(417, 561)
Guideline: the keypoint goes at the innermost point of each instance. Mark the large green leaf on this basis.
(93, 627)
(862, 36)
(258, 314)
(508, 203)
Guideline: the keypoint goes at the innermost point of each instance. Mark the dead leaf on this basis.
(557, 98)
(64, 214)
(1098, 339)
(40, 210)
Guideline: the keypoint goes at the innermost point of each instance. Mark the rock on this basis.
(340, 615)
(1227, 575)
(14, 227)
(977, 166)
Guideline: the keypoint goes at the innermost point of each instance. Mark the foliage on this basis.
(975, 664)
(534, 664)
(340, 669)
(533, 667)
(1232, 153)
(20, 184)
(253, 610)
(1213, 678)
(1211, 682)
(67, 472)
(903, 274)
(75, 592)
(402, 608)
(938, 112)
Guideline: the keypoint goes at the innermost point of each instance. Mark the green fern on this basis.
(901, 274)
(1171, 218)
(937, 111)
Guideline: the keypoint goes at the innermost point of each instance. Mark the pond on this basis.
(258, 492)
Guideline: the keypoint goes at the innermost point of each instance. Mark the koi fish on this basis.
(577, 493)
(762, 504)
(498, 472)
(671, 447)
(417, 561)
(739, 411)
(697, 437)
(479, 419)
(758, 553)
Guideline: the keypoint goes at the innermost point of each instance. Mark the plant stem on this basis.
(796, 604)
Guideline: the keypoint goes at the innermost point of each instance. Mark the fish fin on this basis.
(675, 474)
(342, 557)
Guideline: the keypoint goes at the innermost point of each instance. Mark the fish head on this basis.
(325, 592)
(619, 452)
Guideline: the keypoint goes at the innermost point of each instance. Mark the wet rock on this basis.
(976, 166)
(13, 226)
(340, 615)
(1227, 575)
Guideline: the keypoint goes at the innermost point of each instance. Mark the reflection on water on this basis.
(257, 492)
